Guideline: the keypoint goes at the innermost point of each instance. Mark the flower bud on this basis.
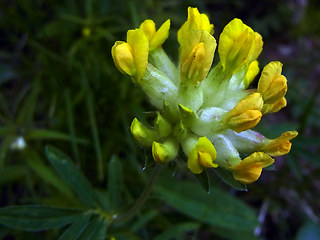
(196, 56)
(163, 152)
(144, 135)
(131, 57)
(238, 45)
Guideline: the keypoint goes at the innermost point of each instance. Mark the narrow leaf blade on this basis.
(96, 230)
(115, 183)
(72, 175)
(74, 231)
(177, 231)
(36, 217)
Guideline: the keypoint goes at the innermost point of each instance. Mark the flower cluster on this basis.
(207, 112)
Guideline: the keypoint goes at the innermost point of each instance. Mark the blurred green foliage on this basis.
(59, 86)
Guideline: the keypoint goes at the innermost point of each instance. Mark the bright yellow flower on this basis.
(202, 156)
(131, 57)
(246, 114)
(196, 21)
(250, 168)
(272, 85)
(196, 56)
(281, 145)
(238, 45)
(156, 38)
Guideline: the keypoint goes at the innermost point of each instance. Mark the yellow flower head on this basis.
(279, 146)
(250, 168)
(131, 57)
(196, 56)
(156, 38)
(238, 45)
(246, 114)
(195, 103)
(196, 21)
(202, 156)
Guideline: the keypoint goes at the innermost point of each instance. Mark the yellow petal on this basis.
(276, 91)
(149, 28)
(140, 48)
(275, 107)
(235, 44)
(158, 152)
(252, 72)
(272, 85)
(160, 36)
(250, 102)
(202, 156)
(196, 21)
(245, 121)
(205, 23)
(249, 169)
(246, 114)
(256, 48)
(196, 56)
(205, 160)
(281, 145)
(122, 55)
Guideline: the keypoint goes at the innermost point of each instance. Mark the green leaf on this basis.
(78, 226)
(143, 219)
(177, 231)
(5, 144)
(37, 218)
(72, 175)
(217, 209)
(204, 180)
(94, 128)
(115, 182)
(26, 112)
(11, 174)
(71, 125)
(227, 177)
(96, 230)
(36, 163)
(51, 134)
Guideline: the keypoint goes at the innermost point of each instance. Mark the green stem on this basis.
(143, 197)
